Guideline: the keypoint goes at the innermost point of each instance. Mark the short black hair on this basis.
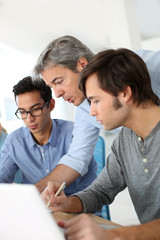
(27, 84)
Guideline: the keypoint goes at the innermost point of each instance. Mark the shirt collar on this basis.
(54, 133)
(31, 141)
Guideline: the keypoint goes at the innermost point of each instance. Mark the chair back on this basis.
(99, 155)
(18, 177)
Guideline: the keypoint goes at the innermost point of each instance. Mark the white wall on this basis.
(28, 26)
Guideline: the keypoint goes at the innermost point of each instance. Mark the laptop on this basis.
(24, 216)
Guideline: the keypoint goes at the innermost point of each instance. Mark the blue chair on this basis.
(99, 155)
(18, 177)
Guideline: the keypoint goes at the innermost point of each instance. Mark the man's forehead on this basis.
(31, 96)
(53, 68)
(91, 81)
(51, 74)
(90, 90)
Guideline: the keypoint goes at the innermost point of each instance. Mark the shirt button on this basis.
(144, 160)
(47, 170)
(139, 139)
(146, 170)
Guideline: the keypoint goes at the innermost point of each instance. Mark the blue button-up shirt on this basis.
(152, 60)
(35, 161)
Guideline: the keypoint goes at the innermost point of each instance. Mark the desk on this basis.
(65, 216)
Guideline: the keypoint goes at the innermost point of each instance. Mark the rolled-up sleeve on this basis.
(85, 135)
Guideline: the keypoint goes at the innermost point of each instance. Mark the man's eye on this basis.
(59, 82)
(35, 109)
(22, 112)
(89, 101)
(95, 101)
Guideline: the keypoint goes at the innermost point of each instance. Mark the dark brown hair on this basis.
(117, 69)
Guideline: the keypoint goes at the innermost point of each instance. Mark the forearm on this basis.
(61, 173)
(148, 231)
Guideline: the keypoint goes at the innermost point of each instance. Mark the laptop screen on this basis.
(23, 215)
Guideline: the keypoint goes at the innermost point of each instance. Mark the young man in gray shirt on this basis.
(117, 82)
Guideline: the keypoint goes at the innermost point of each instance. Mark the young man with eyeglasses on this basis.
(37, 148)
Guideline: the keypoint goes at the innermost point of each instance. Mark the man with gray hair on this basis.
(60, 65)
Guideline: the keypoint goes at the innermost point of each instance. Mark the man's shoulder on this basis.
(18, 133)
(126, 131)
(124, 134)
(151, 58)
(125, 138)
(63, 124)
(62, 130)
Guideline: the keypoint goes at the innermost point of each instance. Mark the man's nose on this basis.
(29, 117)
(58, 92)
(92, 111)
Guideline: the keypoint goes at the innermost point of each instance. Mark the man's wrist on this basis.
(74, 205)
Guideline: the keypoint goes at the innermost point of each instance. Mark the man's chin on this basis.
(107, 128)
(77, 103)
(34, 131)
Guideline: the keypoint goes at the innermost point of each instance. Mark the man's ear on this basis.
(126, 95)
(81, 63)
(51, 104)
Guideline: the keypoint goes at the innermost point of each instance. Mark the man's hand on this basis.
(58, 203)
(82, 227)
(61, 203)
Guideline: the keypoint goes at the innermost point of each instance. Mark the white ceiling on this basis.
(30, 24)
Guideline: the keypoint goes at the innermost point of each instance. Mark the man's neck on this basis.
(42, 137)
(143, 120)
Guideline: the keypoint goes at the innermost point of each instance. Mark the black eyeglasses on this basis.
(35, 112)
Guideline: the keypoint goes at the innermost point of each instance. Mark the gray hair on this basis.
(64, 51)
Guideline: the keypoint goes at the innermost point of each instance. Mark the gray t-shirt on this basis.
(135, 164)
